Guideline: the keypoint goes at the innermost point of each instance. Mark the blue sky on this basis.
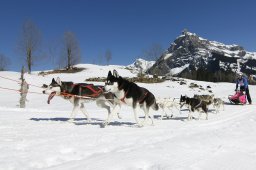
(125, 27)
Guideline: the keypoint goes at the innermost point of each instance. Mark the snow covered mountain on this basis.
(194, 57)
(140, 65)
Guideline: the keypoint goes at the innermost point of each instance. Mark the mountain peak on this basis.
(192, 53)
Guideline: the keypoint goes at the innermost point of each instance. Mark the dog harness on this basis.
(91, 87)
(122, 99)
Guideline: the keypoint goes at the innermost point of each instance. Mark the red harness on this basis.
(90, 87)
(122, 99)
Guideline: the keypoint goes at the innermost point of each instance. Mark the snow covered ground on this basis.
(40, 137)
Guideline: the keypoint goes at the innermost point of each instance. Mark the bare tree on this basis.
(4, 62)
(71, 50)
(108, 56)
(153, 52)
(29, 43)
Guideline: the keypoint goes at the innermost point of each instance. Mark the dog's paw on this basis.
(71, 121)
(104, 124)
(160, 118)
(169, 116)
(140, 125)
(119, 116)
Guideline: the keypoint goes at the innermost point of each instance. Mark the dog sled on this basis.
(238, 98)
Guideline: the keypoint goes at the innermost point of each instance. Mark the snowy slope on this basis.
(39, 137)
(140, 65)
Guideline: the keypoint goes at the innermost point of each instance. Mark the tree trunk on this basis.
(69, 59)
(29, 60)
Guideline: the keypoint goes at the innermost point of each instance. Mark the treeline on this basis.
(218, 76)
(204, 75)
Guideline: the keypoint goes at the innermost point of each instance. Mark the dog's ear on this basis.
(109, 73)
(115, 73)
(58, 81)
(53, 80)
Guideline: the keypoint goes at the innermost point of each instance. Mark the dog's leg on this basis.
(74, 112)
(147, 114)
(107, 105)
(84, 111)
(190, 113)
(205, 109)
(181, 105)
(222, 106)
(199, 115)
(163, 113)
(170, 108)
(101, 103)
(136, 117)
(215, 107)
(177, 108)
(145, 109)
(218, 109)
(151, 117)
(115, 110)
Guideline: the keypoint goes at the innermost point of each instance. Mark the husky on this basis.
(206, 98)
(78, 94)
(195, 104)
(129, 93)
(217, 103)
(167, 103)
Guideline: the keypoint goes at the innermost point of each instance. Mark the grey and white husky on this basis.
(129, 93)
(217, 103)
(78, 94)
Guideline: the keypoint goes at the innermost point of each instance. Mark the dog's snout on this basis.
(45, 86)
(44, 92)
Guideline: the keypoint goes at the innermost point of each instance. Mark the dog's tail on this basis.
(155, 106)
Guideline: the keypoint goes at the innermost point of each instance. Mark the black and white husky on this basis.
(129, 93)
(195, 104)
(78, 94)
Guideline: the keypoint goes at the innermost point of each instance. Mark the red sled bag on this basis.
(238, 98)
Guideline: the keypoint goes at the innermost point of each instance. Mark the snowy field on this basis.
(40, 137)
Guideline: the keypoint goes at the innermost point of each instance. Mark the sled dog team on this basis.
(118, 91)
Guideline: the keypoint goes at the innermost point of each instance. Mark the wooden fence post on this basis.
(23, 89)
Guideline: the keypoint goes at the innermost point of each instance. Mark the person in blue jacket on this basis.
(242, 82)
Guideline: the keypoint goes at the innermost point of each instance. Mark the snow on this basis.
(140, 65)
(177, 70)
(40, 137)
(168, 56)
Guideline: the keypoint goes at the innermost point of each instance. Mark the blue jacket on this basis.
(243, 82)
